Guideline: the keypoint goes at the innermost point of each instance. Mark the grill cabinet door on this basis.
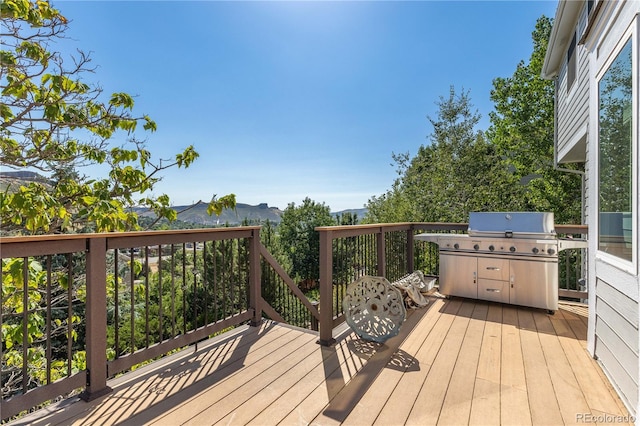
(534, 283)
(458, 275)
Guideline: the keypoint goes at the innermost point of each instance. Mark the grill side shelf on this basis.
(570, 243)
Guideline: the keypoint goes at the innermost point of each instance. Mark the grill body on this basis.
(502, 259)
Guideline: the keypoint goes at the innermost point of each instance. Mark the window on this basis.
(615, 172)
(571, 63)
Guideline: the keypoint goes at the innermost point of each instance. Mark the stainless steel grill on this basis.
(507, 257)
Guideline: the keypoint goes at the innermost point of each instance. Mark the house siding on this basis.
(573, 105)
(617, 339)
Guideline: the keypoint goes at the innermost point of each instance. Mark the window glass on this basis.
(615, 148)
(571, 63)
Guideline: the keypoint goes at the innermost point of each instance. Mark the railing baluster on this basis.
(48, 320)
(173, 291)
(147, 271)
(147, 330)
(132, 305)
(116, 292)
(214, 274)
(184, 289)
(69, 313)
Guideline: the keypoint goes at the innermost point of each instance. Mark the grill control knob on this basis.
(476, 247)
(551, 252)
(512, 249)
(491, 248)
(456, 246)
(535, 250)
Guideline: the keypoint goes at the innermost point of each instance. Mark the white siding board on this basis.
(627, 389)
(627, 359)
(625, 331)
(625, 306)
(616, 341)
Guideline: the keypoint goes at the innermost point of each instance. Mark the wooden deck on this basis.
(455, 362)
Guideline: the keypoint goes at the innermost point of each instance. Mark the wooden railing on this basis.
(79, 309)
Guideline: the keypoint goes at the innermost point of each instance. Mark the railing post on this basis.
(255, 279)
(381, 249)
(326, 288)
(410, 250)
(96, 318)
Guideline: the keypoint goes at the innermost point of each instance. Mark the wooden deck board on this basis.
(544, 405)
(397, 408)
(485, 406)
(457, 362)
(456, 407)
(514, 402)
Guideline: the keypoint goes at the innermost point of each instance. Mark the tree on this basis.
(455, 174)
(300, 241)
(53, 122)
(522, 129)
(458, 172)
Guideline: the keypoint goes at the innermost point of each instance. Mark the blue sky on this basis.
(287, 100)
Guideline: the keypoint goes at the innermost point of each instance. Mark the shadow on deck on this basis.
(456, 362)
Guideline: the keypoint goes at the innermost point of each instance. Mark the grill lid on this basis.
(512, 224)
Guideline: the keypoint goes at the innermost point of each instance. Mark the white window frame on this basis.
(631, 33)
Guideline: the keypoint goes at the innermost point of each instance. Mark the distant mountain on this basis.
(15, 179)
(24, 175)
(254, 214)
(197, 214)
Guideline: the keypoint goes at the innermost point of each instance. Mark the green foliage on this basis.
(53, 122)
(522, 129)
(300, 241)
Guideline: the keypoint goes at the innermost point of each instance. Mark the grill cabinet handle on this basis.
(493, 268)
